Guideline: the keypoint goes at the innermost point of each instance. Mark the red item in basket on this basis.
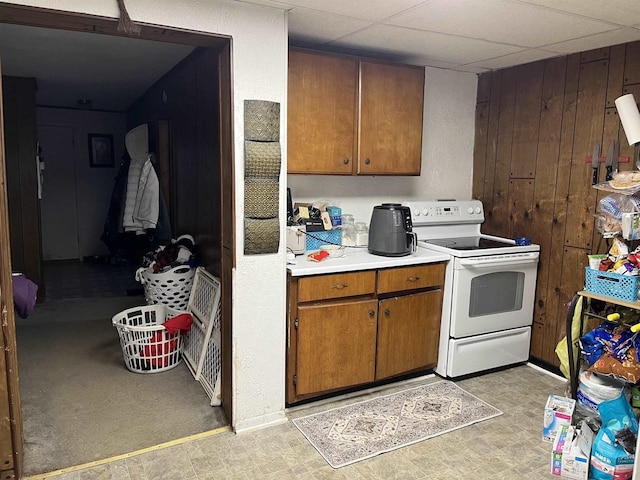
(159, 349)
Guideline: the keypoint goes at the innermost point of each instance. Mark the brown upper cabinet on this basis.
(351, 116)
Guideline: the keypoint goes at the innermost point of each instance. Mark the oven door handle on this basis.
(482, 263)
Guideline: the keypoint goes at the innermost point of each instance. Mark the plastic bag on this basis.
(562, 349)
(613, 451)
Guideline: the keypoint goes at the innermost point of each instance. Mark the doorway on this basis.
(210, 169)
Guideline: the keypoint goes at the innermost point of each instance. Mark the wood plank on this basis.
(492, 141)
(526, 121)
(11, 429)
(227, 204)
(520, 208)
(549, 316)
(480, 151)
(631, 63)
(80, 22)
(484, 87)
(573, 262)
(552, 106)
(588, 129)
(616, 74)
(537, 334)
(594, 55)
(500, 209)
(610, 133)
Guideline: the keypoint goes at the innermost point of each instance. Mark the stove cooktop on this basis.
(468, 243)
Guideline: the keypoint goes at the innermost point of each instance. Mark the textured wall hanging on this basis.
(261, 176)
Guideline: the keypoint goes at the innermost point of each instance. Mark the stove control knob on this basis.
(425, 212)
(416, 212)
(470, 210)
(478, 210)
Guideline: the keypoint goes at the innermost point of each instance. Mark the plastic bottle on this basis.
(362, 234)
(348, 230)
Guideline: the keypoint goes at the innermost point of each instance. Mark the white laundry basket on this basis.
(202, 350)
(147, 347)
(171, 288)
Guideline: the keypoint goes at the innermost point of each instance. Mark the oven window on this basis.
(497, 292)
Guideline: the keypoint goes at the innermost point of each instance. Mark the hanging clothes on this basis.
(113, 231)
(142, 200)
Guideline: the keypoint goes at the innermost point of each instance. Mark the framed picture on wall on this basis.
(100, 150)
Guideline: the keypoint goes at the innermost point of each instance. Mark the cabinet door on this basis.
(336, 345)
(321, 113)
(408, 333)
(391, 103)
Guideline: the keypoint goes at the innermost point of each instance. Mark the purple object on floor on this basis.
(24, 295)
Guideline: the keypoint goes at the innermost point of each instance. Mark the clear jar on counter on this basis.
(362, 234)
(348, 230)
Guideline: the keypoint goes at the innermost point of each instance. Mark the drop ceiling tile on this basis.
(519, 58)
(615, 37)
(267, 3)
(373, 10)
(311, 26)
(502, 21)
(621, 12)
(428, 45)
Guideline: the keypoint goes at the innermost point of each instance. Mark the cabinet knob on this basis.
(345, 160)
(344, 285)
(372, 313)
(413, 279)
(387, 312)
(367, 161)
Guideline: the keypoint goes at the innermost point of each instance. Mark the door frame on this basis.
(72, 21)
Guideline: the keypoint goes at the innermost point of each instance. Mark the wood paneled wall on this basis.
(19, 99)
(186, 102)
(535, 126)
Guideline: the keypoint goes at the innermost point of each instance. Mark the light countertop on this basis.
(356, 259)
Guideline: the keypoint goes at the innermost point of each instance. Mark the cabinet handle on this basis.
(345, 160)
(387, 312)
(372, 313)
(413, 279)
(344, 285)
(367, 161)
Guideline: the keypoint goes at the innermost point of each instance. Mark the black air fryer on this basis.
(391, 231)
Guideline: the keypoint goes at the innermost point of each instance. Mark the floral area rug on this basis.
(348, 434)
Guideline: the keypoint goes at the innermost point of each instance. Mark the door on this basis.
(58, 207)
(493, 293)
(10, 408)
(336, 345)
(321, 113)
(391, 100)
(408, 333)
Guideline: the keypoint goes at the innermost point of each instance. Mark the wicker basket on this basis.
(170, 288)
(148, 347)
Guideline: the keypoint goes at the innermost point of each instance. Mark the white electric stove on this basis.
(489, 289)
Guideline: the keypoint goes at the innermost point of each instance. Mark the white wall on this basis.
(93, 185)
(259, 57)
(447, 155)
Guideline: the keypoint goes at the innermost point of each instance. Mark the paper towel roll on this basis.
(629, 116)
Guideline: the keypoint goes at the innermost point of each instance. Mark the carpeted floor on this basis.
(79, 401)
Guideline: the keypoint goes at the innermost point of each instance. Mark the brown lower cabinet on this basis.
(354, 329)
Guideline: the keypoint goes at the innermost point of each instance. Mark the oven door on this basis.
(492, 293)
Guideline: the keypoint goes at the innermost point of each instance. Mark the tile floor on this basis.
(508, 447)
